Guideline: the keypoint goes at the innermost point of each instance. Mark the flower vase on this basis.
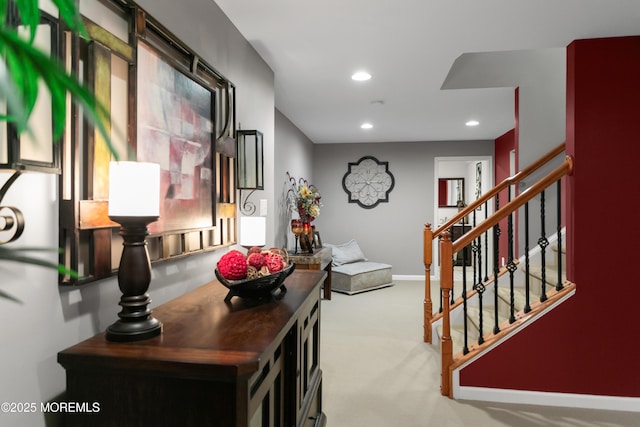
(308, 231)
(312, 230)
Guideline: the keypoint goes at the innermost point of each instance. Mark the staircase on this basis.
(520, 301)
(494, 304)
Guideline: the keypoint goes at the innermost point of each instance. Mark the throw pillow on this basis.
(346, 253)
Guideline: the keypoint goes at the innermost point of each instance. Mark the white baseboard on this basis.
(569, 400)
(407, 277)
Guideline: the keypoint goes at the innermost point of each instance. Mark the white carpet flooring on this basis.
(379, 373)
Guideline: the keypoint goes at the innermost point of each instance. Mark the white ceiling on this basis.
(409, 47)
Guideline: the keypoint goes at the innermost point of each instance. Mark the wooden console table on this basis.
(215, 364)
(320, 259)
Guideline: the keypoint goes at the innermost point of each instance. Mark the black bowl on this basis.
(260, 288)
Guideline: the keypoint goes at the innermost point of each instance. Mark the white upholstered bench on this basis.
(352, 272)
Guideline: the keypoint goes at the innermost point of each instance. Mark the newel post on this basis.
(446, 284)
(428, 259)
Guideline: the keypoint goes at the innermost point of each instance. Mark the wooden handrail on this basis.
(430, 235)
(448, 248)
(564, 169)
(498, 188)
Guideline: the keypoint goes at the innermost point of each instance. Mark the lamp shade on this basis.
(134, 189)
(253, 230)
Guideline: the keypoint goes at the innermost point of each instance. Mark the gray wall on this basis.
(390, 232)
(51, 319)
(542, 127)
(294, 154)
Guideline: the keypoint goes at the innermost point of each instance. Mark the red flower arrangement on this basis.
(234, 265)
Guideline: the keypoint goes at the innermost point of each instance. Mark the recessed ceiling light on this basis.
(361, 76)
(472, 123)
(366, 126)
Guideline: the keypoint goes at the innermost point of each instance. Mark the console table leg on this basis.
(327, 283)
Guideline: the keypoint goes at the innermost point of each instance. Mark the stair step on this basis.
(473, 324)
(554, 261)
(551, 277)
(519, 299)
(504, 300)
(488, 320)
(473, 312)
(457, 337)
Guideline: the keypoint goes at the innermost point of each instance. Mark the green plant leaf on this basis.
(10, 94)
(22, 67)
(26, 64)
(21, 77)
(70, 14)
(3, 10)
(29, 15)
(24, 76)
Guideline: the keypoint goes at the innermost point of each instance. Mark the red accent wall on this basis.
(502, 149)
(589, 344)
(442, 193)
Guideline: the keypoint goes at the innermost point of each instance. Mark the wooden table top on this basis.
(202, 335)
(320, 256)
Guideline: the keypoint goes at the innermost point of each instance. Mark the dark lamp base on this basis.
(127, 332)
(134, 276)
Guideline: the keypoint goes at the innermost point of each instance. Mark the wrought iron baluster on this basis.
(486, 244)
(496, 254)
(543, 242)
(479, 254)
(475, 252)
(479, 288)
(465, 347)
(527, 284)
(453, 267)
(452, 300)
(511, 266)
(440, 301)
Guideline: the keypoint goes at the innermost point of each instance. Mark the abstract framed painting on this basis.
(175, 129)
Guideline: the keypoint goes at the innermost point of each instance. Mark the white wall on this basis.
(465, 167)
(50, 318)
(461, 167)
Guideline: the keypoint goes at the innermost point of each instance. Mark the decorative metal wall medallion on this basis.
(368, 182)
